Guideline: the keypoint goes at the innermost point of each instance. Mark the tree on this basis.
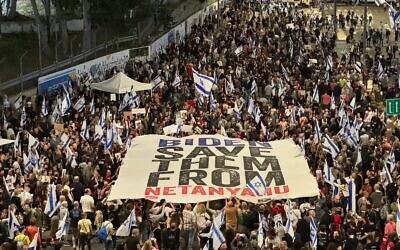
(87, 25)
(12, 11)
(62, 25)
(42, 29)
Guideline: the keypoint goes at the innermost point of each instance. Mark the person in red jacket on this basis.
(31, 230)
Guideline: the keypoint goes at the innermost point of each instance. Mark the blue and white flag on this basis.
(18, 102)
(257, 185)
(237, 111)
(253, 89)
(317, 133)
(51, 204)
(217, 236)
(109, 138)
(85, 131)
(213, 103)
(70, 157)
(177, 81)
(315, 96)
(32, 141)
(285, 73)
(359, 158)
(98, 132)
(289, 224)
(387, 176)
(257, 114)
(250, 106)
(65, 105)
(380, 71)
(351, 200)
(313, 233)
(134, 101)
(333, 104)
(125, 228)
(260, 231)
(34, 243)
(156, 83)
(394, 16)
(92, 107)
(102, 119)
(290, 47)
(264, 129)
(203, 83)
(379, 2)
(330, 146)
(43, 111)
(80, 104)
(27, 163)
(329, 177)
(329, 63)
(23, 117)
(62, 227)
(125, 102)
(229, 87)
(17, 143)
(391, 160)
(358, 67)
(352, 104)
(13, 224)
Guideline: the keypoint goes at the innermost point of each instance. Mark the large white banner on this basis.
(208, 167)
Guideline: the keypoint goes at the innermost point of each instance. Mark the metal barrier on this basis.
(70, 61)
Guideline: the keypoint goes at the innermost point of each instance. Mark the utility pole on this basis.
(21, 72)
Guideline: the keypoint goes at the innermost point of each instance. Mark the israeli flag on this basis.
(71, 157)
(43, 111)
(203, 83)
(217, 236)
(313, 233)
(156, 83)
(351, 200)
(51, 204)
(257, 114)
(239, 51)
(330, 146)
(380, 71)
(289, 225)
(359, 158)
(62, 227)
(116, 136)
(250, 106)
(237, 111)
(229, 88)
(253, 89)
(394, 16)
(34, 243)
(32, 141)
(80, 104)
(177, 81)
(17, 143)
(65, 105)
(387, 176)
(257, 185)
(109, 138)
(102, 119)
(290, 47)
(358, 67)
(23, 117)
(398, 219)
(125, 102)
(264, 129)
(65, 140)
(317, 133)
(315, 96)
(379, 2)
(329, 63)
(285, 73)
(213, 103)
(260, 231)
(125, 228)
(98, 132)
(329, 177)
(27, 163)
(13, 224)
(84, 131)
(92, 107)
(128, 140)
(18, 102)
(391, 160)
(352, 104)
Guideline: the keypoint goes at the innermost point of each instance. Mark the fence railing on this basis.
(67, 62)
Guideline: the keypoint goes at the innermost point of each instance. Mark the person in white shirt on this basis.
(87, 203)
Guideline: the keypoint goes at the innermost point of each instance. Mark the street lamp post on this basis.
(21, 73)
(71, 48)
(40, 48)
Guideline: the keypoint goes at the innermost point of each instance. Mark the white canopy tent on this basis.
(120, 84)
(5, 141)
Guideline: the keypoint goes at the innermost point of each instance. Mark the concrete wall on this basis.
(29, 26)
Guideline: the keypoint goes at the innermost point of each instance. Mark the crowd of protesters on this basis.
(301, 81)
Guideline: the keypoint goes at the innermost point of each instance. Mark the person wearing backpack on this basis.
(85, 230)
(108, 240)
